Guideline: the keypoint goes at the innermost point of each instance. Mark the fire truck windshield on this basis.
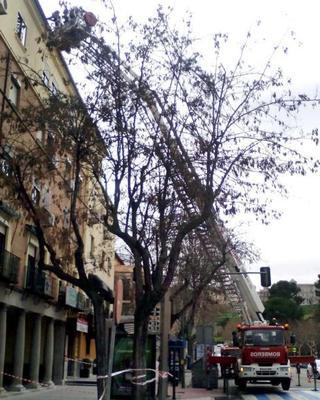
(263, 337)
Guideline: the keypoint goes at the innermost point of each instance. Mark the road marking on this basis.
(298, 395)
(295, 395)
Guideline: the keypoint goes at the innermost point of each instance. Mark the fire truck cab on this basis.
(263, 356)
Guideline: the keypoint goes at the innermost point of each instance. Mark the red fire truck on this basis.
(263, 355)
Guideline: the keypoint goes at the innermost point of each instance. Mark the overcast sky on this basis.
(290, 245)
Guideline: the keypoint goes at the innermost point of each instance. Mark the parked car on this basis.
(310, 372)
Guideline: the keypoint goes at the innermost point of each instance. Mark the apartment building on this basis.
(308, 293)
(42, 320)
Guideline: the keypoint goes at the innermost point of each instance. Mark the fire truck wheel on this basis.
(242, 384)
(285, 384)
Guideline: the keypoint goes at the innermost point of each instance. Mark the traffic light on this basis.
(265, 276)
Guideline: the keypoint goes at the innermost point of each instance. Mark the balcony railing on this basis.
(9, 266)
(41, 282)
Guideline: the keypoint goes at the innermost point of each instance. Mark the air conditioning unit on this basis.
(3, 7)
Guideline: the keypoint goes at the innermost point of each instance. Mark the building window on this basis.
(92, 246)
(127, 289)
(21, 29)
(14, 91)
(35, 193)
(3, 232)
(45, 79)
(54, 89)
(67, 169)
(50, 140)
(5, 168)
(50, 146)
(31, 273)
(66, 218)
(32, 256)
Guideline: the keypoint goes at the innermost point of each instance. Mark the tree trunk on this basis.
(139, 352)
(101, 338)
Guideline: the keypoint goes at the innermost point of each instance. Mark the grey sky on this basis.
(291, 245)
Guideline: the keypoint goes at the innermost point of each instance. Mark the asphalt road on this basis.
(253, 392)
(303, 392)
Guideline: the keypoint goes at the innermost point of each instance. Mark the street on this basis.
(253, 392)
(267, 392)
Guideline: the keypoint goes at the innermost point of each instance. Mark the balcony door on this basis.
(31, 273)
(2, 248)
(2, 237)
(32, 254)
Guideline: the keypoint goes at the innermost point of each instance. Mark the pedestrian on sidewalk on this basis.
(309, 373)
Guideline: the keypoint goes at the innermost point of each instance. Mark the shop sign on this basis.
(82, 325)
(71, 296)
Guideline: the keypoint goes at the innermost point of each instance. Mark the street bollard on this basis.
(174, 387)
(174, 376)
(226, 381)
(314, 370)
(298, 368)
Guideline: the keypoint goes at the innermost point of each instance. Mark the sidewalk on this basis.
(84, 389)
(185, 394)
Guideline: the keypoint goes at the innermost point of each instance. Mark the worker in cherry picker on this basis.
(70, 29)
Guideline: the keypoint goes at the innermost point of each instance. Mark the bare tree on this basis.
(221, 140)
(197, 287)
(307, 337)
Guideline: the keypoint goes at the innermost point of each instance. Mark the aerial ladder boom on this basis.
(253, 307)
(239, 291)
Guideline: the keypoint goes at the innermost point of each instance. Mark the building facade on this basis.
(308, 293)
(44, 322)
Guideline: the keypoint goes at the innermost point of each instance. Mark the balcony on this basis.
(8, 210)
(41, 282)
(9, 266)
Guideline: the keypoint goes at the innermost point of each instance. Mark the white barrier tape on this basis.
(114, 374)
(79, 361)
(128, 370)
(23, 379)
(143, 383)
(104, 391)
(161, 374)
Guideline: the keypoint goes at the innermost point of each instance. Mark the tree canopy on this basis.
(284, 302)
(286, 289)
(317, 287)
